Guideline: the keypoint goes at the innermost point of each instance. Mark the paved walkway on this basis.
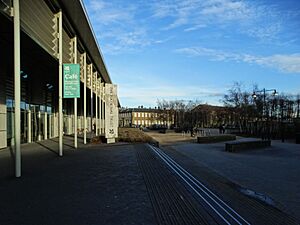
(95, 184)
(111, 184)
(273, 172)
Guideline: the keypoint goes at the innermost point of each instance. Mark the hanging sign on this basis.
(71, 73)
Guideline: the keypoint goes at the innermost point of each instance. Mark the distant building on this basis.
(145, 117)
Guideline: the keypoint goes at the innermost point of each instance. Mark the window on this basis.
(142, 114)
(139, 114)
(146, 114)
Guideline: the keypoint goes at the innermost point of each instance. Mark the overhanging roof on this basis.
(79, 20)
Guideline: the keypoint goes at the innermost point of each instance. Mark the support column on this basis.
(96, 95)
(91, 86)
(84, 97)
(17, 88)
(50, 125)
(45, 126)
(75, 99)
(29, 126)
(60, 105)
(103, 113)
(100, 108)
(39, 125)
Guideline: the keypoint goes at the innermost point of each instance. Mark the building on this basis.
(145, 117)
(37, 37)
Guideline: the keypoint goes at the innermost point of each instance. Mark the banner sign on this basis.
(111, 111)
(71, 73)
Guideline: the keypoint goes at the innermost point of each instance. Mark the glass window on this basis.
(9, 103)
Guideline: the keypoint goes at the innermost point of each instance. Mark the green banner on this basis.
(71, 73)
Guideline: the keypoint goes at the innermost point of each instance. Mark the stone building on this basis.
(145, 117)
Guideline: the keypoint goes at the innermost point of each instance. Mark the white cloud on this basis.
(288, 63)
(119, 27)
(148, 95)
(116, 26)
(126, 26)
(106, 13)
(248, 17)
(196, 27)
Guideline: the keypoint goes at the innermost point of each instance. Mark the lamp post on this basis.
(265, 112)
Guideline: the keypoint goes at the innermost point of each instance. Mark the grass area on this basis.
(133, 135)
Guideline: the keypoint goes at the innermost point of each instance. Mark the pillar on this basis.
(45, 126)
(17, 87)
(29, 126)
(75, 99)
(60, 105)
(84, 97)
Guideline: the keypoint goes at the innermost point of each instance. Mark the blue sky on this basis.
(196, 49)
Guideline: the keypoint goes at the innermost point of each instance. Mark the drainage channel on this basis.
(224, 212)
(172, 203)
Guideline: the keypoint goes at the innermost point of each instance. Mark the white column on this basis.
(103, 111)
(75, 99)
(17, 88)
(100, 109)
(91, 86)
(29, 126)
(84, 97)
(60, 106)
(39, 125)
(103, 114)
(96, 94)
(50, 124)
(45, 126)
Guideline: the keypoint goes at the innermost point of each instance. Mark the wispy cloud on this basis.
(116, 26)
(244, 15)
(107, 13)
(119, 27)
(288, 63)
(196, 27)
(130, 26)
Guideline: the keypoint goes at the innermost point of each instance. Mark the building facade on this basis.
(37, 37)
(145, 117)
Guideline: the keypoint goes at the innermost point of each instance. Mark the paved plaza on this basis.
(273, 172)
(113, 184)
(91, 185)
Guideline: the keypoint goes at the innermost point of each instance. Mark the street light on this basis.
(274, 93)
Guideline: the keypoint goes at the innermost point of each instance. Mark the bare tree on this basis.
(179, 111)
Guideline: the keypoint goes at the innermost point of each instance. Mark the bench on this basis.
(215, 138)
(234, 146)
